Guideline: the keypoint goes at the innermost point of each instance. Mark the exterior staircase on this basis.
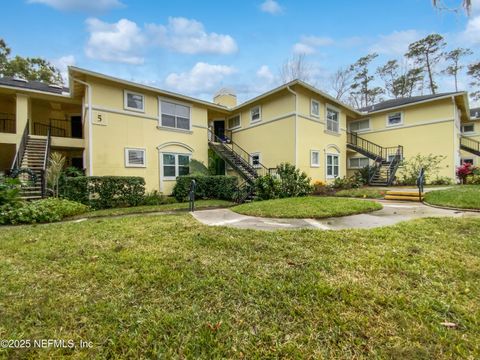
(405, 195)
(470, 145)
(34, 158)
(387, 159)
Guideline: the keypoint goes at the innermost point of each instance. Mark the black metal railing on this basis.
(470, 144)
(421, 182)
(7, 123)
(45, 165)
(57, 127)
(17, 161)
(372, 150)
(241, 154)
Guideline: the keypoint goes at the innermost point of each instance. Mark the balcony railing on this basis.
(57, 127)
(7, 123)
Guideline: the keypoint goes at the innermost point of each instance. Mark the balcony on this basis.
(64, 128)
(7, 123)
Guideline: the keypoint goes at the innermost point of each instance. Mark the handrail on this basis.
(7, 121)
(420, 181)
(381, 153)
(58, 131)
(45, 164)
(21, 148)
(470, 143)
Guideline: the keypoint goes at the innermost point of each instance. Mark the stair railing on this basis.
(368, 146)
(258, 168)
(470, 144)
(421, 182)
(17, 161)
(45, 164)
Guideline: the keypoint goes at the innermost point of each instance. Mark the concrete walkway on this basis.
(392, 213)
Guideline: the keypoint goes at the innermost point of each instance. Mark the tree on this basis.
(466, 4)
(340, 82)
(34, 68)
(400, 82)
(296, 68)
(361, 93)
(474, 72)
(455, 66)
(426, 53)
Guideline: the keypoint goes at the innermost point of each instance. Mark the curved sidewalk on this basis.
(392, 213)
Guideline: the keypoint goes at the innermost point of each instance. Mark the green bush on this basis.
(345, 183)
(208, 187)
(473, 180)
(268, 187)
(9, 190)
(40, 211)
(411, 168)
(156, 198)
(441, 180)
(103, 192)
(364, 174)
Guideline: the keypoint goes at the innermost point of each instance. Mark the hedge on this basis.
(208, 187)
(102, 192)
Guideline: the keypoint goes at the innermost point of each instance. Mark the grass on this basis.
(199, 204)
(368, 193)
(464, 197)
(168, 287)
(307, 207)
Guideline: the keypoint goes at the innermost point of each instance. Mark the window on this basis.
(314, 158)
(315, 108)
(361, 125)
(255, 114)
(468, 128)
(234, 122)
(358, 162)
(467, 161)
(255, 160)
(174, 115)
(135, 157)
(394, 119)
(332, 120)
(175, 165)
(133, 101)
(332, 166)
(390, 158)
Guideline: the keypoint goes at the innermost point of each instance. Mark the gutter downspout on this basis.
(90, 141)
(296, 118)
(456, 138)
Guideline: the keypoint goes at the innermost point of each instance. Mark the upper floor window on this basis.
(332, 120)
(360, 125)
(395, 118)
(468, 128)
(255, 114)
(234, 122)
(135, 157)
(133, 101)
(315, 108)
(174, 115)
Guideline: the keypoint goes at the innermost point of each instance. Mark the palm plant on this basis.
(54, 171)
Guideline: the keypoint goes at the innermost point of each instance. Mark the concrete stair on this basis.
(404, 195)
(33, 159)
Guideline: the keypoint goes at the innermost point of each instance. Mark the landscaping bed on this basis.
(367, 193)
(307, 207)
(462, 197)
(168, 287)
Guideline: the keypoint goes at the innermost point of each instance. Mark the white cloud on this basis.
(62, 65)
(118, 42)
(266, 74)
(80, 5)
(188, 36)
(271, 7)
(395, 43)
(203, 77)
(309, 44)
(472, 32)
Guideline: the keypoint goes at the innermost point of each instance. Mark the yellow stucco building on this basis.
(109, 126)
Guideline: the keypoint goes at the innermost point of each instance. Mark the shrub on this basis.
(473, 180)
(441, 180)
(102, 192)
(364, 174)
(208, 187)
(465, 170)
(9, 190)
(345, 183)
(411, 168)
(40, 211)
(156, 198)
(322, 188)
(268, 187)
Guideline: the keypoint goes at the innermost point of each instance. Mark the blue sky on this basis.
(197, 47)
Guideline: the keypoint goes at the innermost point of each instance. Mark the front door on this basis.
(76, 126)
(219, 128)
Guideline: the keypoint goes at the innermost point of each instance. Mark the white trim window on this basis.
(468, 128)
(395, 119)
(359, 125)
(174, 115)
(135, 157)
(234, 122)
(358, 162)
(333, 119)
(333, 166)
(314, 108)
(133, 101)
(255, 114)
(468, 161)
(174, 165)
(314, 158)
(255, 160)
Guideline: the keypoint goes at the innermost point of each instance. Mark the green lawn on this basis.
(307, 207)
(199, 204)
(462, 196)
(168, 287)
(368, 193)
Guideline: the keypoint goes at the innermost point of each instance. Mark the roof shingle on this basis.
(33, 85)
(402, 101)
